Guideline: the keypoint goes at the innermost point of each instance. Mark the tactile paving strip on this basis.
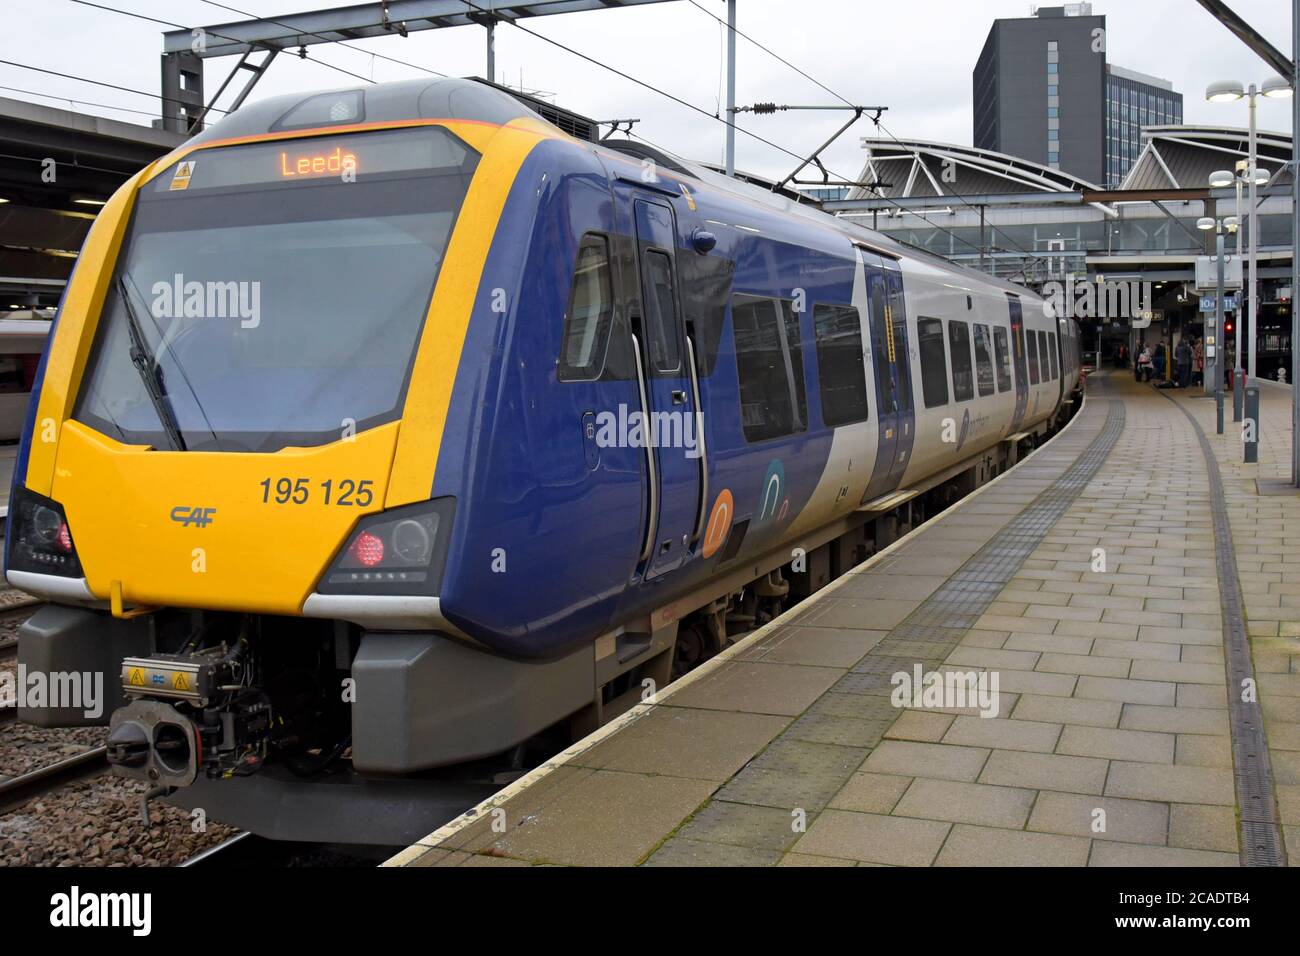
(1261, 839)
(952, 610)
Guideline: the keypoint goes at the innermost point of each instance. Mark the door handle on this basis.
(700, 441)
(652, 516)
(679, 396)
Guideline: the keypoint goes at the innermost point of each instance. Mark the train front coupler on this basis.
(189, 713)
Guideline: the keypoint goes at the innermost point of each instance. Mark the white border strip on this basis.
(472, 815)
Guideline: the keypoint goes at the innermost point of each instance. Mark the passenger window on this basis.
(963, 386)
(934, 372)
(769, 366)
(661, 312)
(591, 305)
(840, 368)
(1056, 362)
(983, 361)
(1043, 362)
(1032, 342)
(1004, 359)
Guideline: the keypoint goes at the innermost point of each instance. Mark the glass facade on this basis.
(1130, 105)
(1053, 105)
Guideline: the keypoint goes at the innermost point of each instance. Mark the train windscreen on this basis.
(273, 294)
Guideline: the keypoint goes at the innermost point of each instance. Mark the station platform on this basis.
(1129, 598)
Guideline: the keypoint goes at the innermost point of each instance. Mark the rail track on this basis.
(19, 609)
(26, 787)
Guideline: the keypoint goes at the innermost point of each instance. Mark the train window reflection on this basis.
(1004, 359)
(586, 323)
(661, 312)
(934, 371)
(983, 361)
(769, 367)
(840, 369)
(963, 386)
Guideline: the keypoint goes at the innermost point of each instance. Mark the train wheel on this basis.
(694, 646)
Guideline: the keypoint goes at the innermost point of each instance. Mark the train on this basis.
(389, 432)
(22, 339)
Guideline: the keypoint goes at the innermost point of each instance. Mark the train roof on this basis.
(470, 99)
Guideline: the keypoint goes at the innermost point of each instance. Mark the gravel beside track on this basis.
(93, 822)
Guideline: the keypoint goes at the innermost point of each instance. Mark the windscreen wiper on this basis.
(145, 363)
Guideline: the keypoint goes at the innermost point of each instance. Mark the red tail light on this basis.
(368, 549)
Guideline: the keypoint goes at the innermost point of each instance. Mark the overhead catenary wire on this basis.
(181, 26)
(594, 61)
(84, 79)
(76, 102)
(879, 125)
(694, 108)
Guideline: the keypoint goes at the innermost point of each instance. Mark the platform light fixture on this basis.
(1227, 91)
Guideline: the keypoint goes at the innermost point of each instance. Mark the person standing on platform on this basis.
(1183, 357)
(1199, 362)
(1142, 371)
(1159, 360)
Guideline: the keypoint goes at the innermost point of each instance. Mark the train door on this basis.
(669, 393)
(896, 417)
(1018, 360)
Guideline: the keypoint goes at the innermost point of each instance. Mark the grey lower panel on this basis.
(59, 641)
(342, 808)
(423, 700)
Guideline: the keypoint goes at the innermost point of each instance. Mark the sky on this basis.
(914, 57)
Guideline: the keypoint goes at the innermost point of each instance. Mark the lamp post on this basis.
(1228, 91)
(1221, 179)
(1216, 368)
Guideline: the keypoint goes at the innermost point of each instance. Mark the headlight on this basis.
(401, 551)
(39, 537)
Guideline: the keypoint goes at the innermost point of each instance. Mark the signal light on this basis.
(368, 549)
